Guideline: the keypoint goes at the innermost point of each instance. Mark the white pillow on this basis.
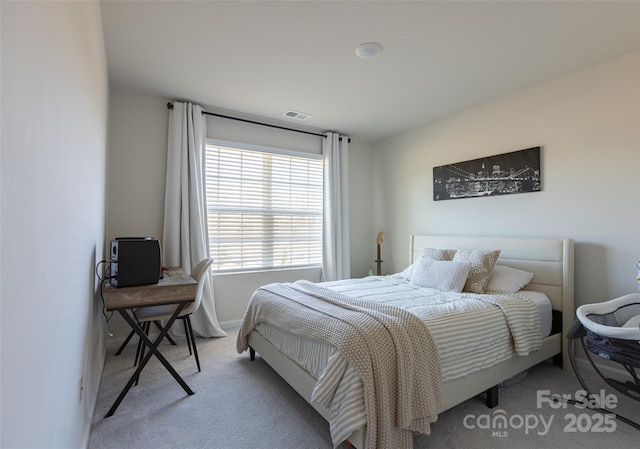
(443, 275)
(407, 272)
(431, 253)
(508, 279)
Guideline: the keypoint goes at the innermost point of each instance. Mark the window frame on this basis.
(262, 149)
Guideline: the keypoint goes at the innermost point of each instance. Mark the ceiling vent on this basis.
(296, 115)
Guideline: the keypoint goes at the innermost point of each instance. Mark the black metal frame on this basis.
(191, 340)
(578, 332)
(188, 330)
(153, 350)
(132, 333)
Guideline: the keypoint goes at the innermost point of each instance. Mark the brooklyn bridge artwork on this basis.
(503, 174)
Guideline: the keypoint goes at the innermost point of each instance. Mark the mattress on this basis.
(544, 308)
(466, 343)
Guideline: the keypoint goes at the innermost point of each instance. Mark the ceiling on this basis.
(259, 59)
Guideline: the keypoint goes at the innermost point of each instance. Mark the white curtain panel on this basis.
(184, 238)
(336, 262)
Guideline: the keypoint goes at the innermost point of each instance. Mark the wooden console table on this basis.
(176, 287)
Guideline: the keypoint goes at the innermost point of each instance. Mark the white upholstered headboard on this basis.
(551, 261)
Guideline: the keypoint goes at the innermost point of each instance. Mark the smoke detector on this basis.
(369, 50)
(296, 115)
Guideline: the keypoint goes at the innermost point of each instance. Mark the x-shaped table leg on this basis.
(153, 350)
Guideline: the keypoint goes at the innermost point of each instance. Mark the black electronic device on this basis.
(135, 261)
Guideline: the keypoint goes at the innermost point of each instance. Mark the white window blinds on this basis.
(264, 209)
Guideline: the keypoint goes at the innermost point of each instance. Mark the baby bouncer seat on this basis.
(611, 330)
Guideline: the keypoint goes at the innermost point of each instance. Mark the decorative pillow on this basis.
(438, 254)
(444, 275)
(481, 262)
(508, 279)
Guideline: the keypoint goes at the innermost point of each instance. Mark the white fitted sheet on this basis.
(545, 310)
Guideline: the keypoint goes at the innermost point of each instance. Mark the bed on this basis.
(551, 261)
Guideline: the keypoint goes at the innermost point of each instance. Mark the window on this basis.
(264, 208)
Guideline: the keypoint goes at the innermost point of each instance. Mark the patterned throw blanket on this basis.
(391, 349)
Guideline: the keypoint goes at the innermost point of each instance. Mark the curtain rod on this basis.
(170, 106)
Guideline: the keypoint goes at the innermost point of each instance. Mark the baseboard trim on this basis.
(230, 325)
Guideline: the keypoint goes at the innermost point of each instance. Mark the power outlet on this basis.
(80, 387)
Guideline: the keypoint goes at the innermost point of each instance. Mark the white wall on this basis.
(53, 177)
(137, 165)
(588, 126)
(363, 235)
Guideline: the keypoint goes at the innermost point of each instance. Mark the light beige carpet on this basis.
(244, 404)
